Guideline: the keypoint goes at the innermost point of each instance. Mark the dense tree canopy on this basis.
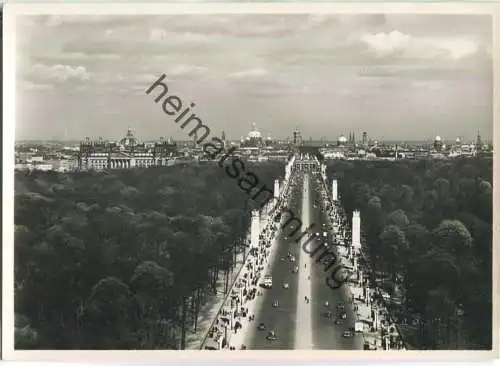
(428, 224)
(123, 259)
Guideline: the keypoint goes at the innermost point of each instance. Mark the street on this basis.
(300, 323)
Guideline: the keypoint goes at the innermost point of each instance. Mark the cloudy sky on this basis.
(394, 76)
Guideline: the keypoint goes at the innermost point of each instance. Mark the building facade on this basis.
(127, 153)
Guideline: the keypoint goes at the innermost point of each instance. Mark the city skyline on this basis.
(274, 70)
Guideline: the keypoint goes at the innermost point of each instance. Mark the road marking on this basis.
(303, 324)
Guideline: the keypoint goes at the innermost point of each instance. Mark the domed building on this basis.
(129, 140)
(254, 138)
(438, 143)
(269, 141)
(127, 153)
(341, 141)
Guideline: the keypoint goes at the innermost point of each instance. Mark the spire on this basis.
(223, 137)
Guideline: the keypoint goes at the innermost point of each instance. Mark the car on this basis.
(292, 259)
(338, 321)
(271, 336)
(261, 326)
(276, 304)
(340, 307)
(348, 334)
(285, 285)
(342, 315)
(295, 269)
(267, 282)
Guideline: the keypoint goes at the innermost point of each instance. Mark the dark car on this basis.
(271, 336)
(261, 326)
(348, 334)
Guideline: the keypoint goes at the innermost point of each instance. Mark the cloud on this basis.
(249, 73)
(181, 70)
(59, 73)
(404, 45)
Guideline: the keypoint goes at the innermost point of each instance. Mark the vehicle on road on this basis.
(295, 269)
(338, 321)
(348, 334)
(328, 314)
(276, 304)
(261, 326)
(285, 285)
(212, 345)
(340, 307)
(267, 282)
(292, 259)
(271, 336)
(342, 315)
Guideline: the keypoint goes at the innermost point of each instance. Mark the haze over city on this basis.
(397, 77)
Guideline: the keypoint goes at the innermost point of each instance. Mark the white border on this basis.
(9, 13)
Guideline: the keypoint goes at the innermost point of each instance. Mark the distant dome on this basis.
(438, 138)
(458, 140)
(342, 139)
(254, 134)
(129, 139)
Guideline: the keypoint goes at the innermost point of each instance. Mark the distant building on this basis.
(128, 153)
(438, 143)
(253, 139)
(341, 141)
(297, 138)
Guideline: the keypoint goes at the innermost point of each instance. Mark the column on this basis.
(356, 231)
(276, 188)
(254, 229)
(334, 190)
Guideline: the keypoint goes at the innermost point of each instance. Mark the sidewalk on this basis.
(233, 322)
(211, 307)
(254, 304)
(238, 307)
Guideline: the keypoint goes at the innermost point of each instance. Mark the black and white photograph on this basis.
(250, 181)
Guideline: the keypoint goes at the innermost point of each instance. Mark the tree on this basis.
(398, 218)
(394, 248)
(453, 237)
(110, 311)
